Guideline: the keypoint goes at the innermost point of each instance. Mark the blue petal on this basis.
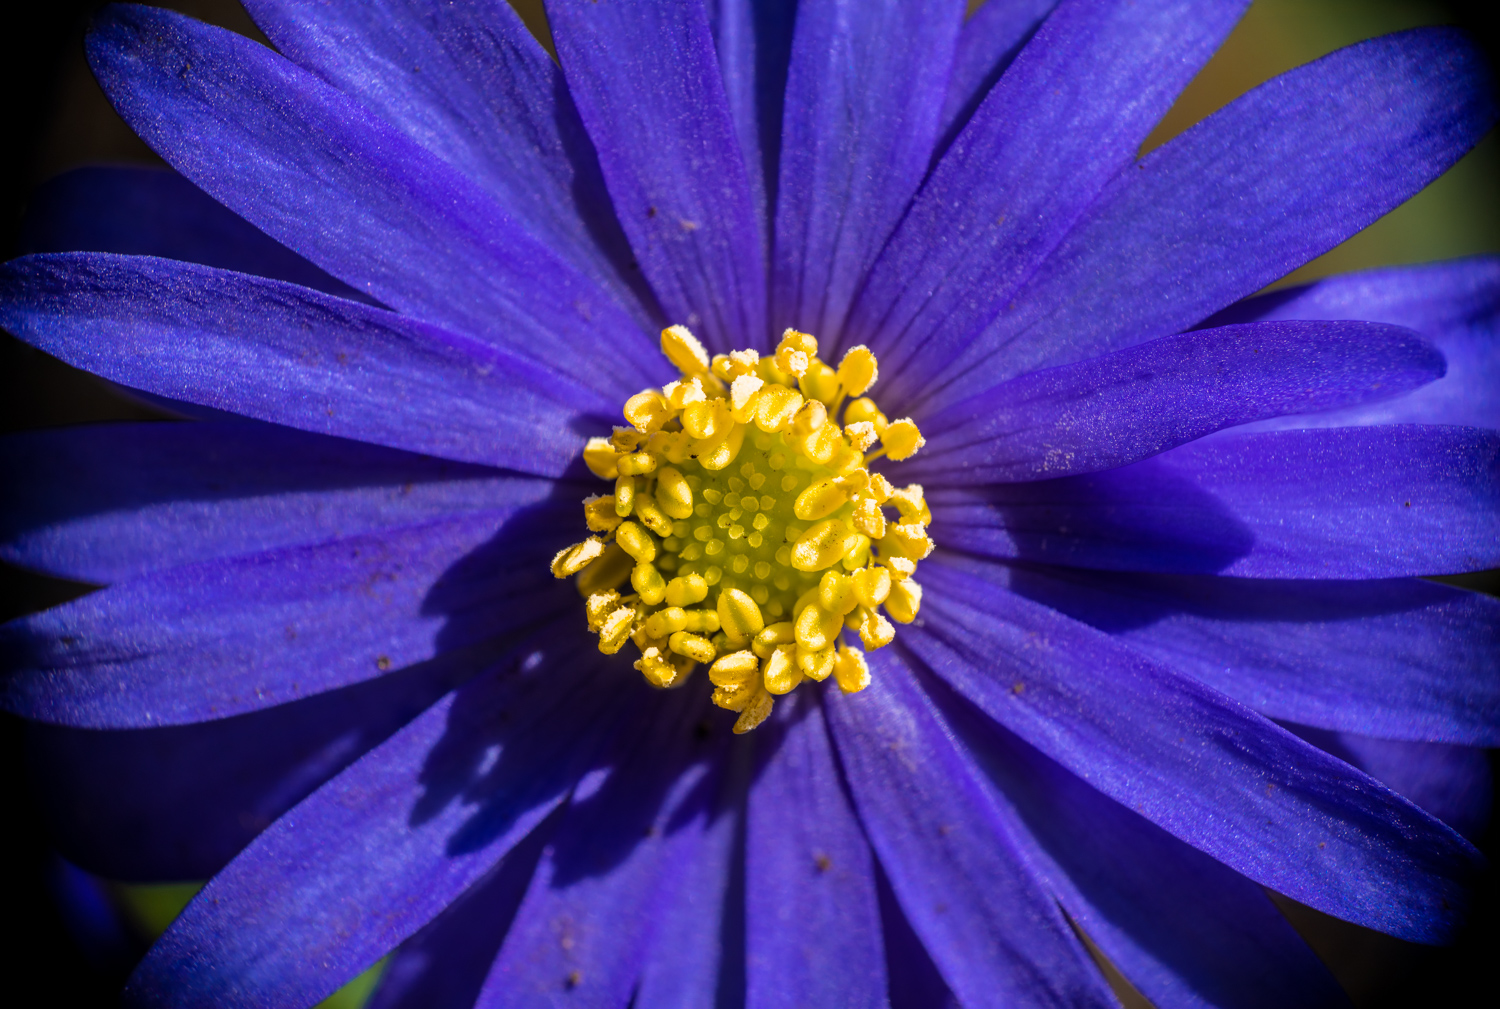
(382, 849)
(444, 965)
(102, 503)
(1181, 927)
(287, 354)
(1134, 403)
(318, 172)
(812, 918)
(1065, 119)
(647, 84)
(215, 639)
(1277, 177)
(1456, 305)
(180, 802)
(1400, 658)
(914, 979)
(951, 854)
(1201, 766)
(587, 921)
(149, 212)
(863, 96)
(988, 43)
(469, 83)
(1358, 502)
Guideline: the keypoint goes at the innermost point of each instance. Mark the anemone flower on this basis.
(418, 653)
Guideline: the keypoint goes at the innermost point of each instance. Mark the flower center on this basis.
(748, 526)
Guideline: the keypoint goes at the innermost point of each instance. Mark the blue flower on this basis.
(1165, 515)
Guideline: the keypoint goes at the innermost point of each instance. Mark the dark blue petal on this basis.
(1181, 927)
(1134, 403)
(1456, 305)
(287, 354)
(1358, 502)
(317, 171)
(863, 96)
(382, 849)
(812, 917)
(1201, 766)
(585, 926)
(149, 212)
(1400, 658)
(470, 83)
(989, 41)
(951, 853)
(1067, 117)
(1257, 189)
(647, 84)
(215, 639)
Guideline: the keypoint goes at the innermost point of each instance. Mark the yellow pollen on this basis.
(745, 531)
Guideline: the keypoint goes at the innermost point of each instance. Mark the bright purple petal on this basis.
(1201, 766)
(216, 639)
(287, 354)
(180, 802)
(318, 172)
(1068, 116)
(149, 212)
(989, 41)
(1137, 402)
(444, 965)
(1279, 176)
(469, 83)
(1185, 930)
(583, 930)
(812, 918)
(969, 892)
(1358, 502)
(106, 502)
(1456, 305)
(1400, 658)
(379, 851)
(647, 83)
(863, 96)
(914, 979)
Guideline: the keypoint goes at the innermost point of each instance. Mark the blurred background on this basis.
(72, 938)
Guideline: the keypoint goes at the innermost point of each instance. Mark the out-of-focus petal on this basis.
(987, 44)
(287, 354)
(1357, 502)
(647, 83)
(1136, 402)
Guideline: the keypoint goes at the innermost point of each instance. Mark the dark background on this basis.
(53, 117)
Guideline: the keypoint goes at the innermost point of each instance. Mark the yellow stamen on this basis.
(747, 524)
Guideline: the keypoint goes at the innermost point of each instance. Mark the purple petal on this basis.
(914, 979)
(971, 895)
(1137, 402)
(1181, 927)
(106, 502)
(1067, 117)
(1276, 178)
(211, 640)
(318, 172)
(1359, 502)
(863, 96)
(290, 355)
(1401, 658)
(180, 802)
(647, 83)
(1201, 766)
(469, 83)
(1456, 305)
(812, 918)
(379, 851)
(583, 930)
(1452, 783)
(149, 212)
(444, 965)
(988, 43)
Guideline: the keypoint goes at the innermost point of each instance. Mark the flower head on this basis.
(1151, 512)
